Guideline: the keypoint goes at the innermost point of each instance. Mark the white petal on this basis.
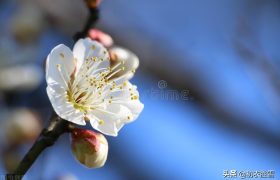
(112, 119)
(62, 107)
(135, 108)
(122, 79)
(124, 99)
(61, 56)
(120, 111)
(103, 122)
(87, 48)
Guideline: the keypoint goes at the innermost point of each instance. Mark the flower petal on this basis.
(86, 49)
(109, 120)
(62, 107)
(103, 122)
(121, 107)
(128, 97)
(60, 65)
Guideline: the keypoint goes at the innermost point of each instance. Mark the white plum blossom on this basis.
(83, 86)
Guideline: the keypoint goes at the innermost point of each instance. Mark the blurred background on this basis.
(209, 77)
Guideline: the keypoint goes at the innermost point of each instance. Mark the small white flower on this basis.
(83, 87)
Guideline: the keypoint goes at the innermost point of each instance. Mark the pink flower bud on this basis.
(93, 3)
(101, 37)
(89, 148)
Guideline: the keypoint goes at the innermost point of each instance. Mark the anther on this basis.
(61, 55)
(100, 122)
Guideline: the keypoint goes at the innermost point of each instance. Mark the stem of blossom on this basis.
(48, 137)
(93, 17)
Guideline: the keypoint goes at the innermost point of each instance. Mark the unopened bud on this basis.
(93, 3)
(129, 60)
(22, 126)
(113, 56)
(103, 38)
(89, 148)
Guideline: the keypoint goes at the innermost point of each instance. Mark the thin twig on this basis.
(92, 19)
(47, 138)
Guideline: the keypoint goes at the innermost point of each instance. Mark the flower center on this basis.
(76, 102)
(93, 86)
(88, 89)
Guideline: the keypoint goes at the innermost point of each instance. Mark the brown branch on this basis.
(92, 19)
(47, 138)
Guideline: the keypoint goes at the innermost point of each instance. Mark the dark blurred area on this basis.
(209, 77)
